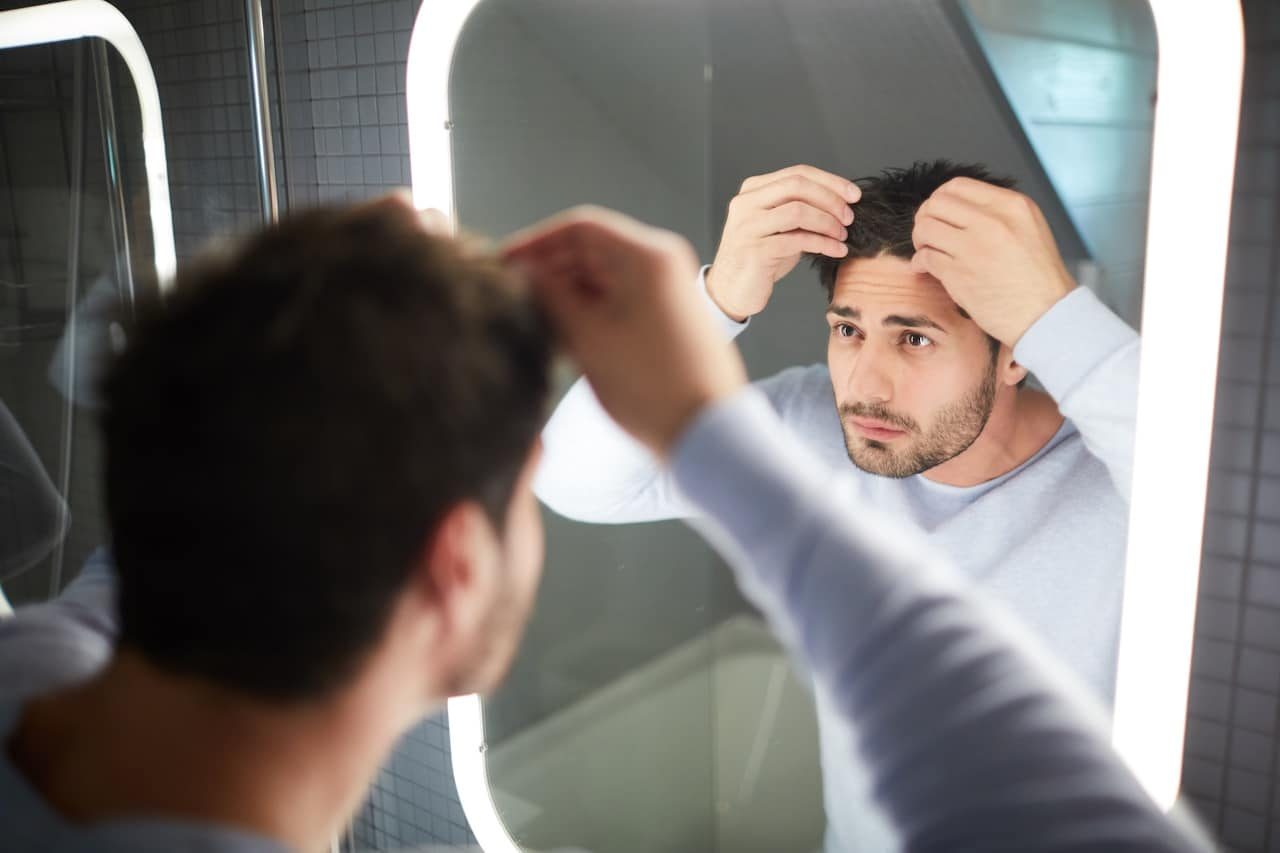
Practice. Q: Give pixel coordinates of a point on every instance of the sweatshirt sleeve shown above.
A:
(44, 646)
(593, 471)
(975, 738)
(1087, 359)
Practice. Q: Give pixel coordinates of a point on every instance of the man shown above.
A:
(944, 288)
(975, 739)
(301, 576)
(318, 468)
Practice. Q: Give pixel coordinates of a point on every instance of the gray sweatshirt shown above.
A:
(975, 739)
(1045, 541)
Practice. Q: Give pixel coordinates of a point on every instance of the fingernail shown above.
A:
(853, 192)
(848, 216)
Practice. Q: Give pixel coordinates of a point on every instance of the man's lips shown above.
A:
(878, 430)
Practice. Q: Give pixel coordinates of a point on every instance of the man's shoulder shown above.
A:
(1077, 474)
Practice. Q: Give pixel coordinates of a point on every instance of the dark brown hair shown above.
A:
(885, 216)
(285, 431)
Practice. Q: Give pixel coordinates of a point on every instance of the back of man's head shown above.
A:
(885, 216)
(283, 433)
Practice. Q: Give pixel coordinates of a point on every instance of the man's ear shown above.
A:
(1008, 371)
(455, 574)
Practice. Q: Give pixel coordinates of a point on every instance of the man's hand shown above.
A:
(992, 250)
(618, 293)
(773, 220)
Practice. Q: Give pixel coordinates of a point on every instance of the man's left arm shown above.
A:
(1087, 359)
(993, 251)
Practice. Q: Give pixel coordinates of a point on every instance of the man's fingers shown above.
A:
(933, 262)
(573, 228)
(801, 242)
(952, 209)
(976, 192)
(799, 216)
(847, 190)
(798, 188)
(435, 221)
(935, 234)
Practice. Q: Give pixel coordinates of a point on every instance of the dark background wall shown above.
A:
(1230, 772)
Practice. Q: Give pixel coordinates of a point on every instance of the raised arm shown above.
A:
(1087, 359)
(593, 471)
(994, 253)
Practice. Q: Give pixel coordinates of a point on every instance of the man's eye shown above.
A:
(844, 330)
(915, 340)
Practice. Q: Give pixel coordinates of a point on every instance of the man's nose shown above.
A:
(868, 379)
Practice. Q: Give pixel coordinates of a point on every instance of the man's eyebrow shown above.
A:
(917, 321)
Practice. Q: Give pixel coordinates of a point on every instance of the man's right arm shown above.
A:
(593, 471)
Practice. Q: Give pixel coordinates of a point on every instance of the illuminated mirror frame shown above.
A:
(76, 19)
(1201, 58)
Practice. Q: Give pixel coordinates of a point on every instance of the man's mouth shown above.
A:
(877, 430)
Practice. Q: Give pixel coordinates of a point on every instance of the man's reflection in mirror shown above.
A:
(943, 290)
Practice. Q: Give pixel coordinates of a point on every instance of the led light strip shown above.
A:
(431, 50)
(1193, 164)
(74, 19)
(1196, 121)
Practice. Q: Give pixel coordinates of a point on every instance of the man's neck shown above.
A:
(137, 741)
(1021, 423)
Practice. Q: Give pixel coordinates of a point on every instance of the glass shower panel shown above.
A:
(77, 247)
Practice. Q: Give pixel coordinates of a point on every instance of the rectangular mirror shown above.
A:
(639, 628)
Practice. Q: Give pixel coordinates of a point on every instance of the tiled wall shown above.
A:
(1232, 763)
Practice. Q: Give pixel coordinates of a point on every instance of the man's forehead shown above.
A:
(888, 284)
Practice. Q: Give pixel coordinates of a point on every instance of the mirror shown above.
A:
(650, 709)
(79, 243)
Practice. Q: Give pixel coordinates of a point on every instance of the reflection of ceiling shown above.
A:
(852, 85)
(861, 84)
(641, 63)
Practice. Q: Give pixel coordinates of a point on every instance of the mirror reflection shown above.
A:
(77, 246)
(743, 132)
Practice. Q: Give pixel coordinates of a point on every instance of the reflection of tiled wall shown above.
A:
(1232, 762)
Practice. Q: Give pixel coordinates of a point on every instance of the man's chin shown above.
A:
(873, 457)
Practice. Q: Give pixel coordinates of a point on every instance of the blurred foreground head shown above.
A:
(320, 443)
